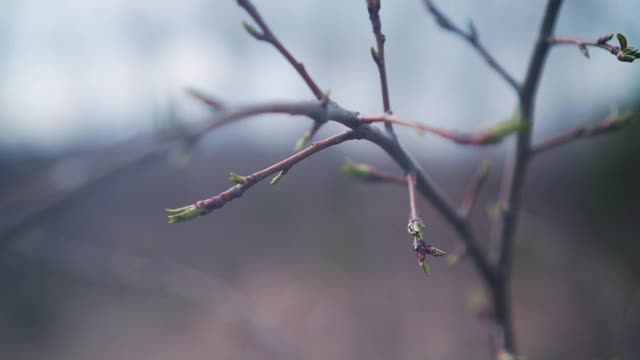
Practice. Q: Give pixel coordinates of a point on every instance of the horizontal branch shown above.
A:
(479, 138)
(623, 52)
(472, 38)
(203, 207)
(609, 125)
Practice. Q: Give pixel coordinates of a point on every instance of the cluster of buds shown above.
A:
(422, 249)
(624, 52)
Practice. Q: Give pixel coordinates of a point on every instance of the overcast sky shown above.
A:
(73, 71)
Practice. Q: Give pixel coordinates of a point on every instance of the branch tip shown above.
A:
(185, 213)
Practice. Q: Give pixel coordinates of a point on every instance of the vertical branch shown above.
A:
(373, 6)
(515, 173)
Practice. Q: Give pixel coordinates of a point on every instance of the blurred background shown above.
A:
(319, 266)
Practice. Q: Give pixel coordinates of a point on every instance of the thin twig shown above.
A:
(411, 186)
(605, 127)
(378, 54)
(472, 38)
(479, 138)
(583, 44)
(477, 182)
(268, 36)
(205, 206)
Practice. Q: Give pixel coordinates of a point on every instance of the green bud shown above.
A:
(472, 30)
(623, 41)
(584, 50)
(189, 212)
(276, 179)
(626, 58)
(252, 31)
(605, 38)
(504, 129)
(356, 170)
(438, 252)
(237, 179)
(374, 55)
(302, 142)
(425, 267)
(416, 228)
(626, 118)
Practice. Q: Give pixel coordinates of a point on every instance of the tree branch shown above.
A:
(472, 38)
(268, 36)
(513, 180)
(607, 126)
(490, 136)
(244, 183)
(378, 55)
(622, 53)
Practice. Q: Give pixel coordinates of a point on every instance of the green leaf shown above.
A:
(425, 267)
(622, 40)
(188, 212)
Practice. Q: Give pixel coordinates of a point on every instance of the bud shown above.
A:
(276, 179)
(584, 50)
(605, 38)
(252, 31)
(416, 228)
(434, 251)
(302, 142)
(626, 118)
(356, 170)
(374, 55)
(473, 33)
(504, 129)
(242, 180)
(188, 212)
(425, 267)
(622, 40)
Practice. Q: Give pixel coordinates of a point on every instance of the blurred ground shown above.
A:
(316, 267)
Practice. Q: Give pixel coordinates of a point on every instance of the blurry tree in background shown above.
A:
(493, 258)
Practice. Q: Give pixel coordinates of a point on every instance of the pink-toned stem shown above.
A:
(411, 186)
(558, 40)
(236, 191)
(605, 127)
(478, 138)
